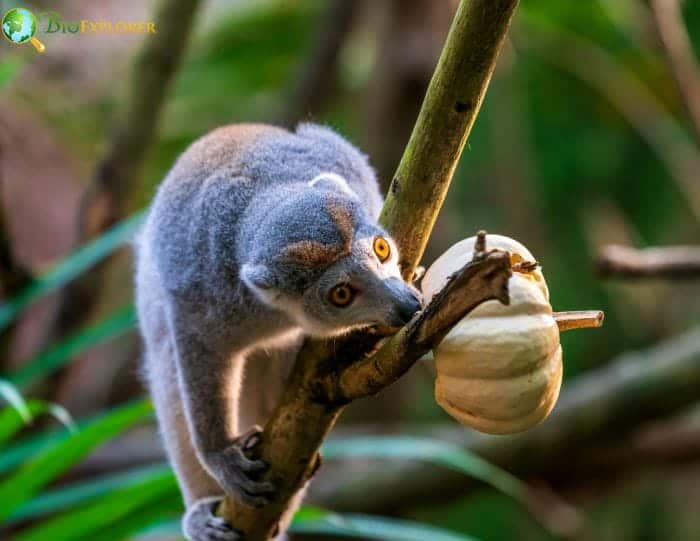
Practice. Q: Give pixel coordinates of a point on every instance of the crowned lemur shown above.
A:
(256, 237)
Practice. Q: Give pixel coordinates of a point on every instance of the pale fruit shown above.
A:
(499, 369)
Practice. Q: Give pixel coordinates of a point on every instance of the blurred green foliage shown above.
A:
(549, 158)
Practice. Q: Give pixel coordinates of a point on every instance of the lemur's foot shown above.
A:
(238, 474)
(201, 524)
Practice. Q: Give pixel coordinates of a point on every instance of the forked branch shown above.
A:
(328, 374)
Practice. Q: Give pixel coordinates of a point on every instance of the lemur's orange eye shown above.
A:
(342, 295)
(382, 249)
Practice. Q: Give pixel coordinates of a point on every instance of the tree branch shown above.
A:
(635, 388)
(307, 411)
(668, 262)
(451, 104)
(668, 18)
(584, 319)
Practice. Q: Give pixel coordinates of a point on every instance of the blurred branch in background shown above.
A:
(609, 402)
(667, 262)
(117, 175)
(319, 75)
(668, 18)
(594, 66)
(13, 275)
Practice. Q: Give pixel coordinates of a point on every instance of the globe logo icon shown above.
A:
(19, 26)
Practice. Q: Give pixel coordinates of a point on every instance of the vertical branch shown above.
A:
(13, 276)
(152, 71)
(668, 18)
(117, 174)
(450, 108)
(317, 391)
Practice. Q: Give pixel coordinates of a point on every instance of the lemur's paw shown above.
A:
(240, 473)
(201, 524)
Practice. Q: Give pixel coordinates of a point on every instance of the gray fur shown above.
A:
(247, 235)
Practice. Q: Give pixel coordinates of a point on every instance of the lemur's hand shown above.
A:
(237, 473)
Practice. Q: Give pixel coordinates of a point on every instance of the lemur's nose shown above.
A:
(409, 307)
(406, 300)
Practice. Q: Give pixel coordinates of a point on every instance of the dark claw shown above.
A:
(254, 488)
(238, 473)
(238, 457)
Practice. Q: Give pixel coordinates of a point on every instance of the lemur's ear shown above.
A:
(257, 277)
(332, 181)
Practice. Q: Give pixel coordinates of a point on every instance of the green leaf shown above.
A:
(50, 360)
(13, 397)
(20, 451)
(429, 450)
(71, 495)
(55, 460)
(312, 520)
(95, 520)
(74, 265)
(165, 507)
(12, 422)
(9, 67)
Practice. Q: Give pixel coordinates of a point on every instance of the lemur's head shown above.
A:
(329, 266)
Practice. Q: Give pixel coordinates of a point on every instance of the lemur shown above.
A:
(257, 237)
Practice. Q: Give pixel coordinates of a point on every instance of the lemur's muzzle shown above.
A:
(406, 301)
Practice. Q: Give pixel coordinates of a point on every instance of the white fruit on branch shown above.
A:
(499, 370)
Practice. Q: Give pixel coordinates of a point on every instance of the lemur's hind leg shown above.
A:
(199, 489)
(264, 378)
